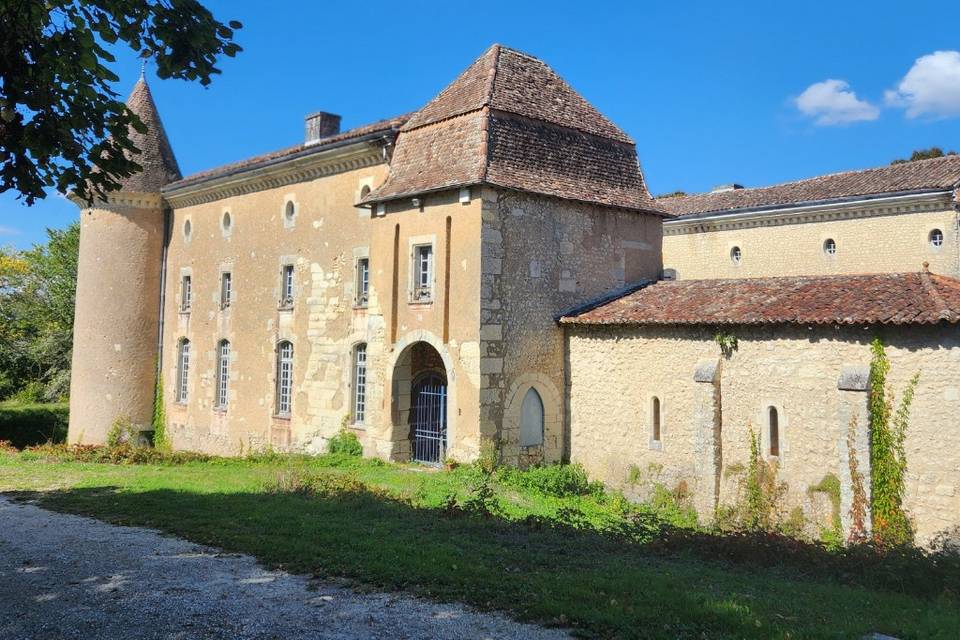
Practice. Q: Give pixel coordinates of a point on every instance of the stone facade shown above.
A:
(709, 402)
(869, 238)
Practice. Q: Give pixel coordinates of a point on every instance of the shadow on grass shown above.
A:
(677, 586)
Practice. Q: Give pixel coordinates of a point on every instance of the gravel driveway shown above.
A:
(64, 576)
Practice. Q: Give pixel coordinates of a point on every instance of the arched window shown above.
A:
(289, 211)
(359, 383)
(223, 374)
(829, 247)
(531, 419)
(183, 369)
(936, 238)
(773, 420)
(736, 256)
(284, 378)
(655, 419)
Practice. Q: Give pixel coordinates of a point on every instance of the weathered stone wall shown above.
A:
(878, 244)
(323, 240)
(541, 257)
(117, 304)
(614, 372)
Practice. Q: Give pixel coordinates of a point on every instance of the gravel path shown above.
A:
(64, 576)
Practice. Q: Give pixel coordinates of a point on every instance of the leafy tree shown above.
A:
(37, 293)
(61, 125)
(925, 154)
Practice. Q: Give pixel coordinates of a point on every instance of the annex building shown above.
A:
(491, 271)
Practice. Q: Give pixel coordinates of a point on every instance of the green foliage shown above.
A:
(925, 154)
(26, 425)
(727, 341)
(830, 487)
(345, 443)
(489, 458)
(858, 506)
(61, 124)
(122, 432)
(674, 506)
(161, 439)
(36, 317)
(888, 461)
(759, 494)
(559, 480)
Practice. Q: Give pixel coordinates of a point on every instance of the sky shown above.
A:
(712, 92)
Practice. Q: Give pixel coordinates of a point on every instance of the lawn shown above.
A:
(500, 542)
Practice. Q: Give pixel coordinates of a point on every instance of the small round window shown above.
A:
(736, 255)
(936, 238)
(187, 229)
(289, 211)
(830, 247)
(227, 221)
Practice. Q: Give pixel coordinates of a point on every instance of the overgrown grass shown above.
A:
(24, 425)
(541, 545)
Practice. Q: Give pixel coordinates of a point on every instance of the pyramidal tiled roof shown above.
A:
(156, 156)
(509, 120)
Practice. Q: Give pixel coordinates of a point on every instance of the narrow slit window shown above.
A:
(223, 374)
(286, 286)
(774, 420)
(186, 293)
(363, 282)
(183, 370)
(423, 272)
(284, 378)
(360, 384)
(226, 289)
(655, 418)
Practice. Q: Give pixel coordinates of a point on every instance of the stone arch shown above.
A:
(552, 448)
(415, 354)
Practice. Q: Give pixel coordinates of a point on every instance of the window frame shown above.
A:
(226, 289)
(423, 273)
(183, 371)
(362, 282)
(830, 248)
(186, 293)
(774, 445)
(542, 418)
(936, 232)
(287, 286)
(222, 400)
(656, 422)
(283, 384)
(736, 255)
(359, 396)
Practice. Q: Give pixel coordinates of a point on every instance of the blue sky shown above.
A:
(755, 93)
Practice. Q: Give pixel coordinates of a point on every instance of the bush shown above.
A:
(124, 453)
(33, 424)
(345, 443)
(560, 480)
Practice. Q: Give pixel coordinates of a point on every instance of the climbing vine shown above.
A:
(888, 461)
(161, 440)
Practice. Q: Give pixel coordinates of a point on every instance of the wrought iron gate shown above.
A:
(429, 419)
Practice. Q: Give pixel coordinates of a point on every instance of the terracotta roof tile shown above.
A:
(156, 156)
(388, 125)
(895, 298)
(511, 121)
(935, 174)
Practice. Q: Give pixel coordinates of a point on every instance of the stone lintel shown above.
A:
(854, 378)
(706, 371)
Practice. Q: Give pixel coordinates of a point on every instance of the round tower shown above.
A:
(117, 317)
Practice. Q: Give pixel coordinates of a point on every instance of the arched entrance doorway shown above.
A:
(420, 406)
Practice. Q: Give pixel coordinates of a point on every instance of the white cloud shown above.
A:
(931, 87)
(8, 231)
(832, 102)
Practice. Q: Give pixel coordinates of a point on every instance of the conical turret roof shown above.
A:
(156, 156)
(509, 120)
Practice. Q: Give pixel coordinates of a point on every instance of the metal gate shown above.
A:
(429, 419)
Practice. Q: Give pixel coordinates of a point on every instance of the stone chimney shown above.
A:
(322, 125)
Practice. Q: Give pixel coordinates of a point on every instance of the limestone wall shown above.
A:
(876, 244)
(541, 257)
(323, 239)
(614, 372)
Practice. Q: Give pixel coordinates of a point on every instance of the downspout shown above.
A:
(956, 232)
(163, 287)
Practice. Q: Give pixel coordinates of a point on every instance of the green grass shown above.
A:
(398, 527)
(24, 425)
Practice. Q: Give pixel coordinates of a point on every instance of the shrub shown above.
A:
(29, 425)
(303, 481)
(345, 443)
(674, 507)
(123, 453)
(560, 480)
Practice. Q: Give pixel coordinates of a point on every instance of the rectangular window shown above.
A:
(284, 378)
(286, 287)
(422, 272)
(360, 384)
(223, 374)
(186, 293)
(363, 282)
(226, 289)
(183, 370)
